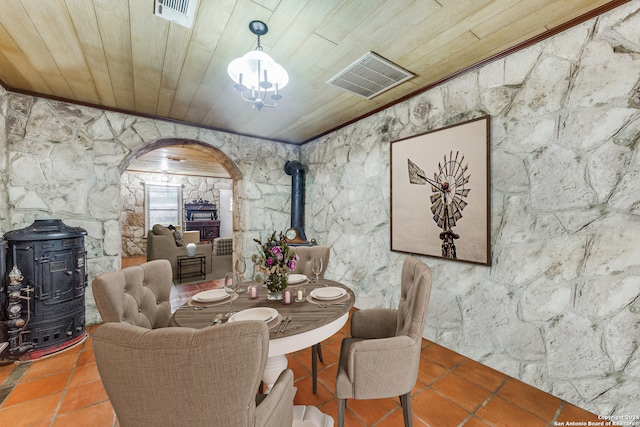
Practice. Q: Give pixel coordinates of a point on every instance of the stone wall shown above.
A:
(4, 163)
(559, 308)
(65, 161)
(132, 197)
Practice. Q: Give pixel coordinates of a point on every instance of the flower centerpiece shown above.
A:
(275, 260)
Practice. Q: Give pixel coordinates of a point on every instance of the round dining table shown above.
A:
(311, 321)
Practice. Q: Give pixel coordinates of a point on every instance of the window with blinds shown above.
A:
(163, 204)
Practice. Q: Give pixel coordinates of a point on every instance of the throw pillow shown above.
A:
(161, 230)
(177, 234)
(158, 229)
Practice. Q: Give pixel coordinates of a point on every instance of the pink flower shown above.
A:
(275, 256)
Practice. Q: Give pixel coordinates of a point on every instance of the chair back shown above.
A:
(307, 254)
(415, 291)
(138, 295)
(183, 376)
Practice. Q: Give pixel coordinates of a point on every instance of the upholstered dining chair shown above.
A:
(307, 254)
(191, 377)
(305, 266)
(382, 357)
(139, 295)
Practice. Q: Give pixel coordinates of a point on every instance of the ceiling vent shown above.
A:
(370, 75)
(179, 11)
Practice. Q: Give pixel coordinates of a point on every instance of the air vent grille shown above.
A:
(178, 11)
(370, 75)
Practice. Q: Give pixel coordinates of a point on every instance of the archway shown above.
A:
(225, 161)
(216, 155)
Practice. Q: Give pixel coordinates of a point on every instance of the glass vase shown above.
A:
(275, 295)
(276, 283)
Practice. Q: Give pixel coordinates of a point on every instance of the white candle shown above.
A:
(300, 295)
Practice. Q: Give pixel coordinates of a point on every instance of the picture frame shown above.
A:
(440, 193)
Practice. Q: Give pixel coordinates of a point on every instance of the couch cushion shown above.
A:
(191, 237)
(161, 230)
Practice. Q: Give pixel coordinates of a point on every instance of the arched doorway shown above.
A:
(132, 226)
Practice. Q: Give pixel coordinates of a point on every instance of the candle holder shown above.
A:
(300, 294)
(287, 297)
(252, 290)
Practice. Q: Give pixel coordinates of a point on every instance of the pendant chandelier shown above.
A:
(257, 76)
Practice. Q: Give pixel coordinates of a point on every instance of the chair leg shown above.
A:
(405, 401)
(316, 353)
(342, 404)
(314, 367)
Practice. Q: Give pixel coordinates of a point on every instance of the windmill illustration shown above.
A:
(449, 188)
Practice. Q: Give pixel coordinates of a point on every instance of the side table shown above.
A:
(198, 260)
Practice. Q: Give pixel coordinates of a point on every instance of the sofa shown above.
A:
(164, 243)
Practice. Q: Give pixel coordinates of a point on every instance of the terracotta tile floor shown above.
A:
(64, 389)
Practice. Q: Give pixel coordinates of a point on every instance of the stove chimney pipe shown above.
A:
(296, 170)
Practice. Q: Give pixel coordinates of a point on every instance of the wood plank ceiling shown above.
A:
(116, 54)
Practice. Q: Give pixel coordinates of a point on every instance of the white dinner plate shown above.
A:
(328, 293)
(294, 279)
(266, 314)
(211, 295)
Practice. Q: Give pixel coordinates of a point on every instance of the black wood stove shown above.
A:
(42, 300)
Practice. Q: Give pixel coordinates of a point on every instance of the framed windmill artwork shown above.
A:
(440, 193)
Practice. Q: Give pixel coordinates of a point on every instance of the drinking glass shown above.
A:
(230, 285)
(240, 268)
(316, 268)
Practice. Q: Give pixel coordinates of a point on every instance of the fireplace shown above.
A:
(42, 299)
